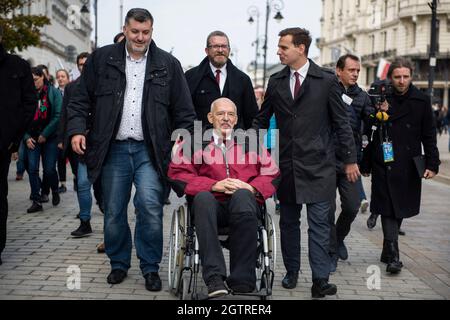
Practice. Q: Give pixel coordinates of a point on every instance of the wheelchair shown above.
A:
(184, 260)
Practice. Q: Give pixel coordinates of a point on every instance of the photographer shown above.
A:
(393, 156)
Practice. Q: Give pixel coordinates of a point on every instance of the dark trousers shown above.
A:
(390, 226)
(318, 237)
(240, 214)
(73, 159)
(350, 203)
(5, 159)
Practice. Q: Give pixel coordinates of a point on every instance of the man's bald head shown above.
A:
(223, 115)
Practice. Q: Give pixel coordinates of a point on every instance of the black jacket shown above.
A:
(18, 99)
(166, 104)
(359, 112)
(307, 152)
(396, 186)
(238, 88)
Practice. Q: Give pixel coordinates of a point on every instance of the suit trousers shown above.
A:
(240, 214)
(318, 237)
(350, 203)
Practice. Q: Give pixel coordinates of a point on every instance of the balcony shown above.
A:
(412, 8)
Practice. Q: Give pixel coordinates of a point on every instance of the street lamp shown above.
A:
(253, 11)
(84, 9)
(275, 5)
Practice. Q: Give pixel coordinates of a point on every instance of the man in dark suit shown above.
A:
(17, 109)
(307, 104)
(216, 77)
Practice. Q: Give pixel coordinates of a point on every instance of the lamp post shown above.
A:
(432, 56)
(85, 9)
(253, 11)
(275, 5)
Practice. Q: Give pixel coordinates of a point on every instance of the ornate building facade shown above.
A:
(384, 29)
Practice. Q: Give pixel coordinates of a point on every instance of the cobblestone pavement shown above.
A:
(40, 250)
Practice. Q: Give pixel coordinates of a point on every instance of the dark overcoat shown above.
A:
(396, 186)
(18, 99)
(306, 146)
(238, 88)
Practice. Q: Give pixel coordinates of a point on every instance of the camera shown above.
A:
(379, 90)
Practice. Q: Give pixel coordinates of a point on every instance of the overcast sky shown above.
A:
(183, 25)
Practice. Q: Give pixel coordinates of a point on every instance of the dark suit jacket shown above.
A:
(238, 88)
(307, 152)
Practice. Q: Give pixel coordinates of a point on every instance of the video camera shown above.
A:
(379, 90)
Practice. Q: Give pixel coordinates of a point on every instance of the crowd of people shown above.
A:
(115, 124)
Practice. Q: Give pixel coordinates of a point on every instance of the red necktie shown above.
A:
(297, 84)
(218, 77)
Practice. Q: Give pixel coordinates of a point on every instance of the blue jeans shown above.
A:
(84, 192)
(128, 162)
(21, 164)
(362, 194)
(49, 153)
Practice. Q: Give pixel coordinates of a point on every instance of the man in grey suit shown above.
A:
(307, 104)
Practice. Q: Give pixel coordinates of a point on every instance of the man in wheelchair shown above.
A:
(228, 183)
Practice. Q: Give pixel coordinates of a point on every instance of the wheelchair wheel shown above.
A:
(177, 245)
(272, 237)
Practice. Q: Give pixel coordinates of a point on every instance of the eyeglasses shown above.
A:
(219, 46)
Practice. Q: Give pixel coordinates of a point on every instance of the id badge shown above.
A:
(388, 152)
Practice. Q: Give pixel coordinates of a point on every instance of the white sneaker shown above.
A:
(364, 206)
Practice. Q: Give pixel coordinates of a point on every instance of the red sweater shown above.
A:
(210, 165)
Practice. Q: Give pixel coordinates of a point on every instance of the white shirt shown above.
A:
(303, 71)
(223, 75)
(131, 122)
(216, 138)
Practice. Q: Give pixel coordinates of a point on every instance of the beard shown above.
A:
(135, 49)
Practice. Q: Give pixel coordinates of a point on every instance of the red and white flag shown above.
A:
(383, 67)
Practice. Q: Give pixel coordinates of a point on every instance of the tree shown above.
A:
(20, 31)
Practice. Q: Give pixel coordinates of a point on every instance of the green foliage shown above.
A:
(20, 31)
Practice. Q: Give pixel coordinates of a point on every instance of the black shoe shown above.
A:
(322, 288)
(290, 280)
(401, 232)
(372, 221)
(241, 287)
(44, 198)
(55, 198)
(77, 216)
(83, 230)
(342, 250)
(62, 189)
(394, 265)
(116, 276)
(35, 207)
(152, 281)
(216, 287)
(167, 201)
